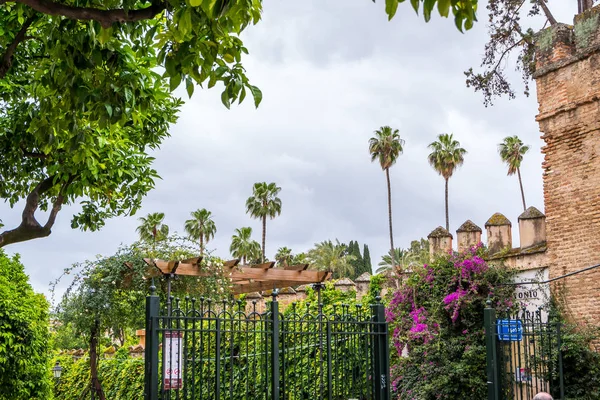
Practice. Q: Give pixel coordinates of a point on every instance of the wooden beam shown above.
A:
(261, 266)
(297, 267)
(193, 260)
(244, 273)
(267, 285)
(231, 263)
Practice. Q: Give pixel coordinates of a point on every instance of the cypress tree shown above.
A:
(357, 263)
(367, 260)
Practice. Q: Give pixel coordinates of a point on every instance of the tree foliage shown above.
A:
(152, 229)
(201, 227)
(108, 294)
(264, 204)
(511, 152)
(244, 247)
(333, 257)
(445, 157)
(24, 334)
(509, 33)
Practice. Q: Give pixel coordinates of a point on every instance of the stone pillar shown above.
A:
(344, 284)
(362, 285)
(468, 235)
(141, 334)
(568, 93)
(499, 233)
(532, 228)
(440, 241)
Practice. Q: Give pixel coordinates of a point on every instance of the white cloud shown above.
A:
(331, 73)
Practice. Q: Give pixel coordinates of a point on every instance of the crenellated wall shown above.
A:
(568, 94)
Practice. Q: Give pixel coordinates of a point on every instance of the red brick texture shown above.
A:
(568, 91)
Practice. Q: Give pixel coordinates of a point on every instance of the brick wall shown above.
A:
(568, 91)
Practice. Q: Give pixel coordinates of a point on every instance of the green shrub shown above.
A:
(24, 371)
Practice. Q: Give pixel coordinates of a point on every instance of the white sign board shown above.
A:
(173, 365)
(536, 295)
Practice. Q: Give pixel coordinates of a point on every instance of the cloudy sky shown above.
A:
(331, 71)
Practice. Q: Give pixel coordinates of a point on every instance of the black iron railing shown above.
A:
(217, 350)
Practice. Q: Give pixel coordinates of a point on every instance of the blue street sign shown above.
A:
(510, 330)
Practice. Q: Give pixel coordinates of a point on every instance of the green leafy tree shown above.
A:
(243, 246)
(419, 250)
(405, 261)
(284, 256)
(332, 257)
(152, 229)
(24, 334)
(512, 151)
(510, 33)
(358, 264)
(385, 147)
(107, 294)
(81, 102)
(446, 155)
(367, 259)
(201, 227)
(262, 204)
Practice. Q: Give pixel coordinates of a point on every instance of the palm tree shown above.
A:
(405, 260)
(512, 151)
(242, 245)
(332, 257)
(385, 147)
(201, 227)
(262, 204)
(152, 229)
(284, 256)
(445, 157)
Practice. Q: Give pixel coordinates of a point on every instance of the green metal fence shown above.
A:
(201, 349)
(523, 355)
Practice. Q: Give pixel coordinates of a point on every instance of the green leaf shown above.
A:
(189, 85)
(228, 58)
(443, 7)
(225, 99)
(195, 3)
(391, 6)
(427, 8)
(109, 110)
(174, 82)
(257, 94)
(185, 22)
(415, 5)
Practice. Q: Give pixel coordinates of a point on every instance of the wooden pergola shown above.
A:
(244, 278)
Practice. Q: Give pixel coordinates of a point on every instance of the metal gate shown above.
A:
(203, 349)
(523, 355)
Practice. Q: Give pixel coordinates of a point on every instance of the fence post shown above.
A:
(381, 350)
(275, 346)
(151, 350)
(489, 319)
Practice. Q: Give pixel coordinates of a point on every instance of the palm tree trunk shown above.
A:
(389, 188)
(447, 218)
(201, 244)
(264, 221)
(521, 185)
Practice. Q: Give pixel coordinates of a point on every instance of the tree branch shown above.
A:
(6, 61)
(105, 17)
(547, 12)
(30, 228)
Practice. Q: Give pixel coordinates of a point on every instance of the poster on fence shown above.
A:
(173, 365)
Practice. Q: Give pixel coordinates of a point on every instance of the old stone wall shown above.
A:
(568, 91)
